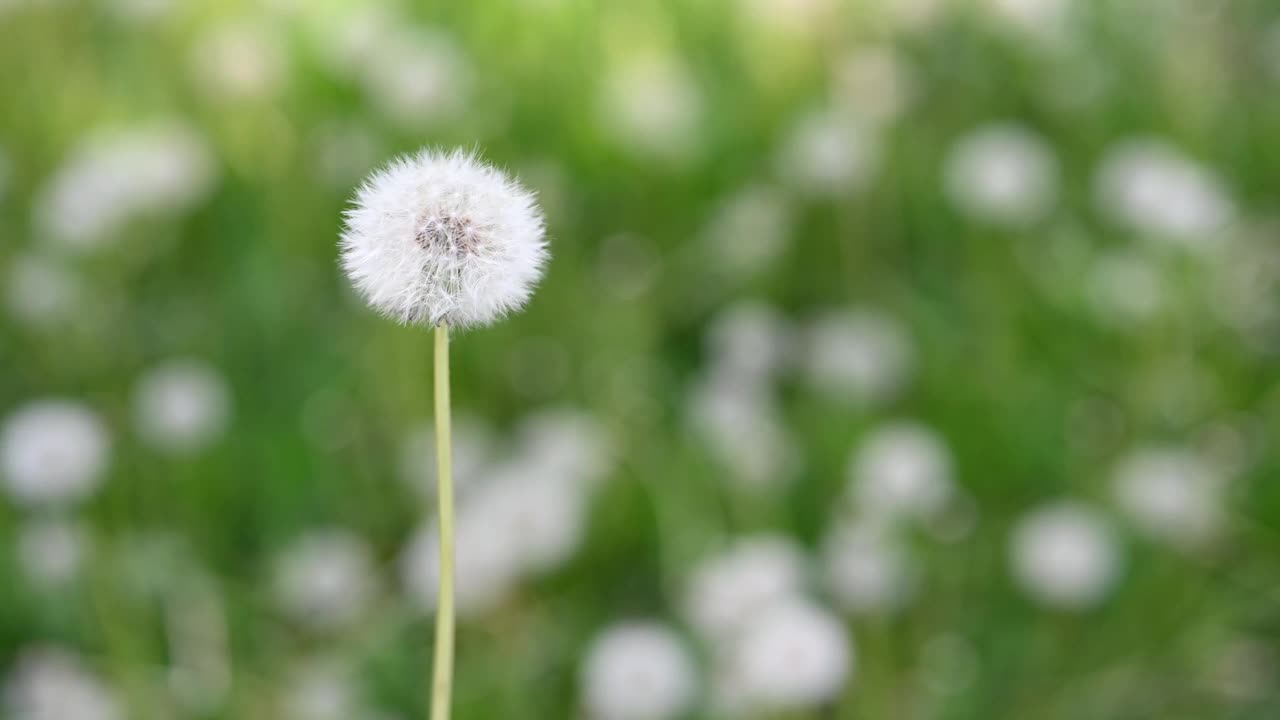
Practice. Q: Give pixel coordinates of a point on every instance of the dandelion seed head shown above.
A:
(325, 580)
(442, 237)
(49, 683)
(638, 671)
(794, 655)
(52, 452)
(727, 590)
(1004, 174)
(181, 406)
(1170, 494)
(1064, 556)
(902, 469)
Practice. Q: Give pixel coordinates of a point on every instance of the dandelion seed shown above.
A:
(638, 671)
(53, 452)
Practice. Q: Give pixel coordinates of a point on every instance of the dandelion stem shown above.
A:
(442, 686)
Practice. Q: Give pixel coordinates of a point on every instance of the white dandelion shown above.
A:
(829, 154)
(866, 572)
(53, 452)
(1124, 287)
(901, 469)
(1064, 555)
(1151, 187)
(1004, 174)
(325, 579)
(417, 78)
(638, 671)
(441, 237)
(651, 105)
(861, 356)
(50, 551)
(565, 443)
(743, 430)
(749, 230)
(181, 406)
(159, 169)
(726, 591)
(49, 683)
(473, 450)
(795, 655)
(749, 342)
(239, 60)
(40, 292)
(1171, 495)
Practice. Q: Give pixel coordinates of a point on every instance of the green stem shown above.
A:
(443, 680)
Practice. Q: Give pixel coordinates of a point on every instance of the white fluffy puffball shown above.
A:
(441, 237)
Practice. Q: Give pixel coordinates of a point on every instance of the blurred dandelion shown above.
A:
(861, 356)
(325, 579)
(865, 570)
(793, 656)
(158, 169)
(1149, 186)
(1064, 555)
(443, 239)
(181, 406)
(49, 683)
(748, 231)
(638, 671)
(1172, 495)
(901, 469)
(1004, 174)
(727, 590)
(829, 154)
(53, 452)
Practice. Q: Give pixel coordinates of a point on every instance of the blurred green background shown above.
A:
(949, 328)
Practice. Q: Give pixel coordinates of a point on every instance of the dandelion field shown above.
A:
(910, 359)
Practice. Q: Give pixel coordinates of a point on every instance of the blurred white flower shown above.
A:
(565, 443)
(417, 78)
(40, 292)
(638, 671)
(901, 469)
(239, 60)
(325, 579)
(828, 154)
(748, 342)
(749, 230)
(861, 356)
(1064, 555)
(874, 83)
(114, 177)
(53, 452)
(1004, 174)
(743, 430)
(1171, 494)
(726, 591)
(788, 15)
(488, 564)
(50, 551)
(320, 690)
(794, 655)
(541, 516)
(866, 572)
(653, 107)
(473, 449)
(1151, 187)
(181, 406)
(1043, 17)
(443, 237)
(1124, 287)
(53, 684)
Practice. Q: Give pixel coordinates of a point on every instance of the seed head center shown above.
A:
(454, 234)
